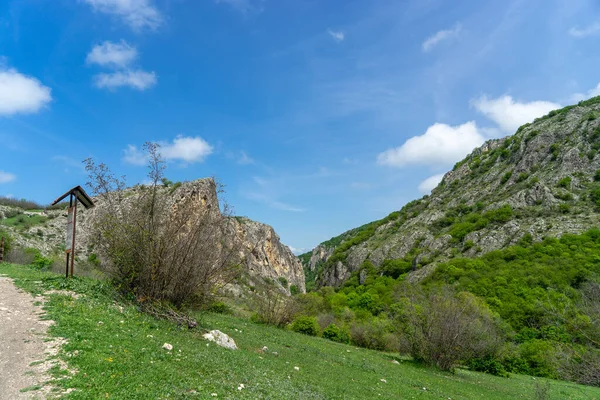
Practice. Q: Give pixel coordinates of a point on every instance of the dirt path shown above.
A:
(23, 349)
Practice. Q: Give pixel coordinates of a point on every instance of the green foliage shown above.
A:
(220, 307)
(564, 208)
(7, 241)
(522, 176)
(294, 290)
(306, 325)
(597, 176)
(521, 283)
(283, 281)
(554, 150)
(506, 177)
(531, 135)
(564, 182)
(500, 215)
(334, 333)
(489, 365)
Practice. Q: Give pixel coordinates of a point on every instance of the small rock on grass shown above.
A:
(167, 346)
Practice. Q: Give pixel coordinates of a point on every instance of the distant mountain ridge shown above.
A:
(542, 181)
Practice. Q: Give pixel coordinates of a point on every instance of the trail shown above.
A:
(24, 346)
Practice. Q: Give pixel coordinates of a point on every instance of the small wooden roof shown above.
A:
(80, 195)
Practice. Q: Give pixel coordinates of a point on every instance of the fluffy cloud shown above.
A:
(113, 55)
(138, 79)
(430, 183)
(435, 39)
(6, 177)
(138, 14)
(590, 30)
(577, 97)
(440, 145)
(338, 36)
(509, 114)
(21, 94)
(187, 149)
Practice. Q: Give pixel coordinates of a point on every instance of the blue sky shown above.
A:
(318, 116)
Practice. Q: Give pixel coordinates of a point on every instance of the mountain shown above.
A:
(543, 181)
(267, 259)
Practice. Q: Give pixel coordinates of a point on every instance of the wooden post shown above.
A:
(2, 250)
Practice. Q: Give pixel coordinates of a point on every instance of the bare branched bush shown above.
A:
(580, 362)
(444, 328)
(158, 246)
(274, 307)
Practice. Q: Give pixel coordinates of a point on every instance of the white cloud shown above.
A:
(188, 149)
(440, 145)
(138, 79)
(138, 14)
(338, 36)
(113, 55)
(132, 155)
(590, 30)
(298, 251)
(430, 183)
(21, 94)
(509, 114)
(6, 177)
(435, 39)
(577, 97)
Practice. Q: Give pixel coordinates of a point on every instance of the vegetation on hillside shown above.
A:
(541, 294)
(106, 341)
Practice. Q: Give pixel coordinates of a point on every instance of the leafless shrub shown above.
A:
(157, 246)
(324, 320)
(273, 307)
(19, 255)
(580, 362)
(444, 328)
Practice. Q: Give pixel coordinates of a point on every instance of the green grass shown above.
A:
(24, 221)
(122, 358)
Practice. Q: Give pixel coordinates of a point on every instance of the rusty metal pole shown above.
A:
(74, 230)
(68, 252)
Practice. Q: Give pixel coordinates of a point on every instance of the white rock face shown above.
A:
(220, 339)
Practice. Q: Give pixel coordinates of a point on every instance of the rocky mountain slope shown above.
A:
(267, 259)
(542, 181)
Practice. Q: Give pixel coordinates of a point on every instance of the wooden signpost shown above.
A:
(76, 195)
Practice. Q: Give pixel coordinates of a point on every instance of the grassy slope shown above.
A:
(122, 358)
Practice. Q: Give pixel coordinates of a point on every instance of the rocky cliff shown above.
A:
(541, 181)
(265, 257)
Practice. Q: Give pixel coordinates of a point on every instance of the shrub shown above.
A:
(505, 177)
(597, 176)
(500, 215)
(564, 182)
(273, 307)
(158, 248)
(522, 176)
(489, 365)
(334, 333)
(220, 308)
(294, 290)
(283, 281)
(554, 151)
(443, 328)
(306, 325)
